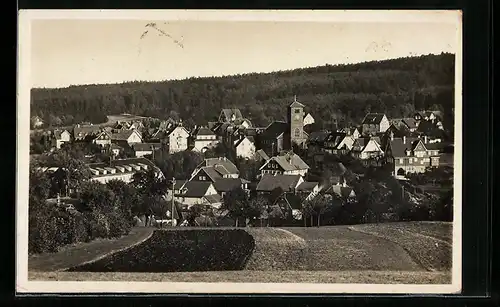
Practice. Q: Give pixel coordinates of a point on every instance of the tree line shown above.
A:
(332, 93)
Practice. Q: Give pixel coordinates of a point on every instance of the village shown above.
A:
(290, 156)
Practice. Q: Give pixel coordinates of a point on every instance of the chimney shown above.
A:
(404, 139)
(425, 139)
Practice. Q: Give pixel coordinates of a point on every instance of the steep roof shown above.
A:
(204, 131)
(122, 135)
(195, 189)
(83, 131)
(221, 165)
(250, 138)
(228, 114)
(289, 161)
(213, 199)
(319, 136)
(228, 184)
(269, 182)
(274, 130)
(373, 118)
(58, 133)
(339, 190)
(263, 154)
(307, 186)
(296, 104)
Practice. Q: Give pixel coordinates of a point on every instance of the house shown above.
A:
(195, 193)
(85, 132)
(432, 116)
(121, 169)
(177, 139)
(290, 205)
(271, 140)
(412, 155)
(130, 136)
(331, 142)
(143, 149)
(409, 124)
(230, 115)
(309, 188)
(268, 183)
(245, 147)
(36, 122)
(214, 168)
(367, 148)
(203, 139)
(352, 132)
(61, 137)
(342, 191)
(308, 119)
(374, 123)
(102, 139)
(224, 185)
(286, 163)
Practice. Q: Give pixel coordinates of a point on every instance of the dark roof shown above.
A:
(434, 146)
(269, 182)
(222, 165)
(195, 189)
(293, 201)
(146, 146)
(122, 135)
(399, 148)
(373, 118)
(213, 199)
(296, 104)
(263, 154)
(319, 136)
(82, 131)
(178, 184)
(307, 186)
(289, 161)
(250, 138)
(274, 130)
(339, 190)
(228, 184)
(204, 131)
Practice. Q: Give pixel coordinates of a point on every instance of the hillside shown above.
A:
(342, 92)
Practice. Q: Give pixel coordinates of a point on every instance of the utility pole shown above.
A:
(173, 202)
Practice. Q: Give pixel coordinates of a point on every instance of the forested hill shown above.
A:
(346, 92)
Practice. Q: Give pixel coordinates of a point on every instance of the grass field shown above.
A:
(383, 253)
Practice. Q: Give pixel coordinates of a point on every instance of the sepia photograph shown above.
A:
(191, 151)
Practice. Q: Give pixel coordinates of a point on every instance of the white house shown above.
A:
(102, 139)
(61, 137)
(374, 123)
(177, 139)
(144, 149)
(308, 119)
(195, 193)
(245, 147)
(130, 136)
(204, 139)
(366, 148)
(121, 169)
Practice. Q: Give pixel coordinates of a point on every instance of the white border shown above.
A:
(23, 285)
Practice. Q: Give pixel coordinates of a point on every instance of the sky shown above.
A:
(92, 51)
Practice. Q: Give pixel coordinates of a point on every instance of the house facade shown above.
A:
(412, 156)
(287, 163)
(375, 123)
(245, 148)
(121, 169)
(308, 119)
(204, 139)
(61, 137)
(178, 139)
(102, 139)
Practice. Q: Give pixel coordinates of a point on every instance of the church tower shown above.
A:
(296, 123)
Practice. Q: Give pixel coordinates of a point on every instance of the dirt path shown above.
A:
(85, 252)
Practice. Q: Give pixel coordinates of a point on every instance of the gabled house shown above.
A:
(367, 148)
(308, 119)
(130, 136)
(271, 140)
(286, 163)
(202, 139)
(214, 168)
(411, 155)
(61, 137)
(230, 115)
(345, 193)
(175, 138)
(375, 123)
(285, 182)
(352, 132)
(103, 138)
(225, 185)
(85, 132)
(262, 155)
(331, 142)
(195, 193)
(245, 147)
(407, 123)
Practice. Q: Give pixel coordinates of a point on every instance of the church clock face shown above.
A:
(297, 116)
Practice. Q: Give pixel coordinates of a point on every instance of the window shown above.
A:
(297, 132)
(296, 110)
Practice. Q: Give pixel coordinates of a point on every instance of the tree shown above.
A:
(193, 213)
(150, 186)
(255, 207)
(236, 203)
(39, 184)
(127, 197)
